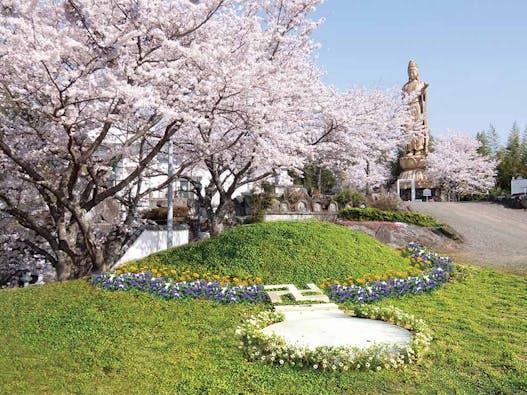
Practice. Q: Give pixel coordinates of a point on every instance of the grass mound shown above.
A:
(283, 252)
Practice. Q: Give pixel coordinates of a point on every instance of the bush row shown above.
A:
(374, 214)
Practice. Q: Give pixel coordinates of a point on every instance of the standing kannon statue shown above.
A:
(413, 161)
(416, 90)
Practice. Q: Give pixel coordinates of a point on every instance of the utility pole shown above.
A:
(170, 195)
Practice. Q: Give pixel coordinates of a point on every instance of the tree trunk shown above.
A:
(64, 267)
(319, 181)
(217, 217)
(215, 225)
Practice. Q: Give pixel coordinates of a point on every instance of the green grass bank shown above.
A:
(283, 252)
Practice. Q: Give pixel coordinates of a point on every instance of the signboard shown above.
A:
(427, 192)
(518, 185)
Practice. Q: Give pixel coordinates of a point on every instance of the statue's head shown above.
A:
(413, 71)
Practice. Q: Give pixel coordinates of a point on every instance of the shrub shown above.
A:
(475, 197)
(386, 202)
(355, 198)
(159, 214)
(259, 203)
(374, 214)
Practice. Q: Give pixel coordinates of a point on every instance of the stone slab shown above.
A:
(326, 326)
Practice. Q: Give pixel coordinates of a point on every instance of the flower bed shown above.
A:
(167, 288)
(429, 272)
(187, 275)
(274, 349)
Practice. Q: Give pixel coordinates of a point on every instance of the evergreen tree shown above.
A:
(523, 150)
(316, 179)
(510, 159)
(484, 148)
(493, 140)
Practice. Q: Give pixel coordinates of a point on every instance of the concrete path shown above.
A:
(318, 325)
(494, 235)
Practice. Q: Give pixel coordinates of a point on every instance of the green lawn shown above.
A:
(74, 338)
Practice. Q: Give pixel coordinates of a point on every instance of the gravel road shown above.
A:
(494, 235)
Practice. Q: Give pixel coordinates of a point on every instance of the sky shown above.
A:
(473, 53)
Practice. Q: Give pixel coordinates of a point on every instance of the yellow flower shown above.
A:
(196, 275)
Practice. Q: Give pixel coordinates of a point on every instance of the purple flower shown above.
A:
(165, 288)
(437, 272)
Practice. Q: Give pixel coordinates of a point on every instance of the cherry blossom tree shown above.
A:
(85, 85)
(360, 133)
(456, 166)
(255, 102)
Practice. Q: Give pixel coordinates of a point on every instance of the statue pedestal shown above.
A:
(414, 168)
(419, 176)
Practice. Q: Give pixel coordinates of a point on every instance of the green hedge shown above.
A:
(283, 252)
(374, 214)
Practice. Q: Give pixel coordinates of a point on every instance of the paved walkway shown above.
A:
(494, 235)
